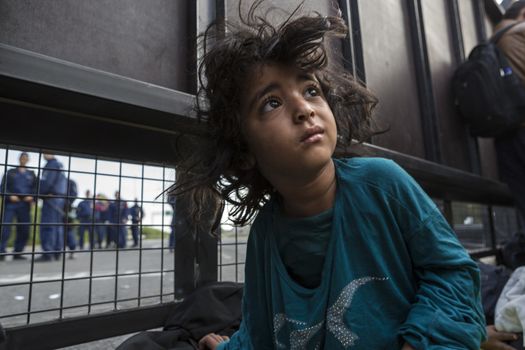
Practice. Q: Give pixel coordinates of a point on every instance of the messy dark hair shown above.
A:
(514, 10)
(230, 53)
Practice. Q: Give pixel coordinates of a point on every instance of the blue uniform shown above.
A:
(118, 216)
(53, 188)
(101, 213)
(21, 184)
(394, 272)
(136, 214)
(85, 216)
(69, 216)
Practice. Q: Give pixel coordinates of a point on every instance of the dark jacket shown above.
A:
(213, 308)
(53, 181)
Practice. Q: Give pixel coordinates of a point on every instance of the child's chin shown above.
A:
(319, 160)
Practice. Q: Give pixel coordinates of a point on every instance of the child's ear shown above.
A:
(247, 161)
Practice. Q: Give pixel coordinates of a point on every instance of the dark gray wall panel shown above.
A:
(325, 7)
(280, 10)
(390, 73)
(142, 39)
(468, 25)
(489, 27)
(442, 64)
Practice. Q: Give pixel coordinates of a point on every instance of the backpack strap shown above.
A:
(497, 36)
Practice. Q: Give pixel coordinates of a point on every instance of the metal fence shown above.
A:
(103, 263)
(95, 271)
(480, 227)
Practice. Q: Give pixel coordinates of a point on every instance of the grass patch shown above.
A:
(153, 233)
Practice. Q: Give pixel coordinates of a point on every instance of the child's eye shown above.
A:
(270, 104)
(312, 91)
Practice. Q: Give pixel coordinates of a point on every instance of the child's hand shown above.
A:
(210, 341)
(495, 339)
(407, 346)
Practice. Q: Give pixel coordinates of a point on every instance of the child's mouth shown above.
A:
(313, 134)
(313, 138)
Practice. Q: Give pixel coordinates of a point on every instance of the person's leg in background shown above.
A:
(71, 239)
(135, 233)
(47, 239)
(101, 231)
(9, 215)
(85, 225)
(81, 235)
(22, 230)
(122, 236)
(58, 229)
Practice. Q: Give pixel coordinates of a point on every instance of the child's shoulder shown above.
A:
(378, 174)
(370, 169)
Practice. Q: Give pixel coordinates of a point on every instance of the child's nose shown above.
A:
(303, 112)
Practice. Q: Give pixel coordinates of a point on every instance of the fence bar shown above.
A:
(57, 334)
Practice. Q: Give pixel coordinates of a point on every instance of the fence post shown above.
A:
(195, 245)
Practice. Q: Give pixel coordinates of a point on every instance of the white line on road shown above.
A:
(42, 278)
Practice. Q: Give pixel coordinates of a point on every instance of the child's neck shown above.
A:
(312, 196)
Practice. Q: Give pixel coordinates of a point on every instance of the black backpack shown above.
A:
(489, 96)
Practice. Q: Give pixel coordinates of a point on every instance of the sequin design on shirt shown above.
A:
(303, 333)
(335, 315)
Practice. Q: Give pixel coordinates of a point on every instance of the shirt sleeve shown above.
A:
(3, 183)
(447, 311)
(7, 182)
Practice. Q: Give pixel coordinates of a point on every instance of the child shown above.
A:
(343, 253)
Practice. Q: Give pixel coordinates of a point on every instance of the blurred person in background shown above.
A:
(69, 218)
(118, 217)
(136, 213)
(18, 188)
(101, 216)
(85, 211)
(53, 189)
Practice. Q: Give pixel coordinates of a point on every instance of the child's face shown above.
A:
(287, 123)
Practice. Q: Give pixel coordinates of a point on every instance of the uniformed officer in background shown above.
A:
(85, 211)
(19, 185)
(136, 214)
(53, 189)
(69, 218)
(118, 217)
(101, 216)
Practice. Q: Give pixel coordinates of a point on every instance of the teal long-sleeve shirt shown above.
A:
(394, 272)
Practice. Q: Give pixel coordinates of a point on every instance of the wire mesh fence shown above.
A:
(72, 244)
(82, 235)
(106, 239)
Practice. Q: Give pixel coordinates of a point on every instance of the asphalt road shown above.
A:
(66, 284)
